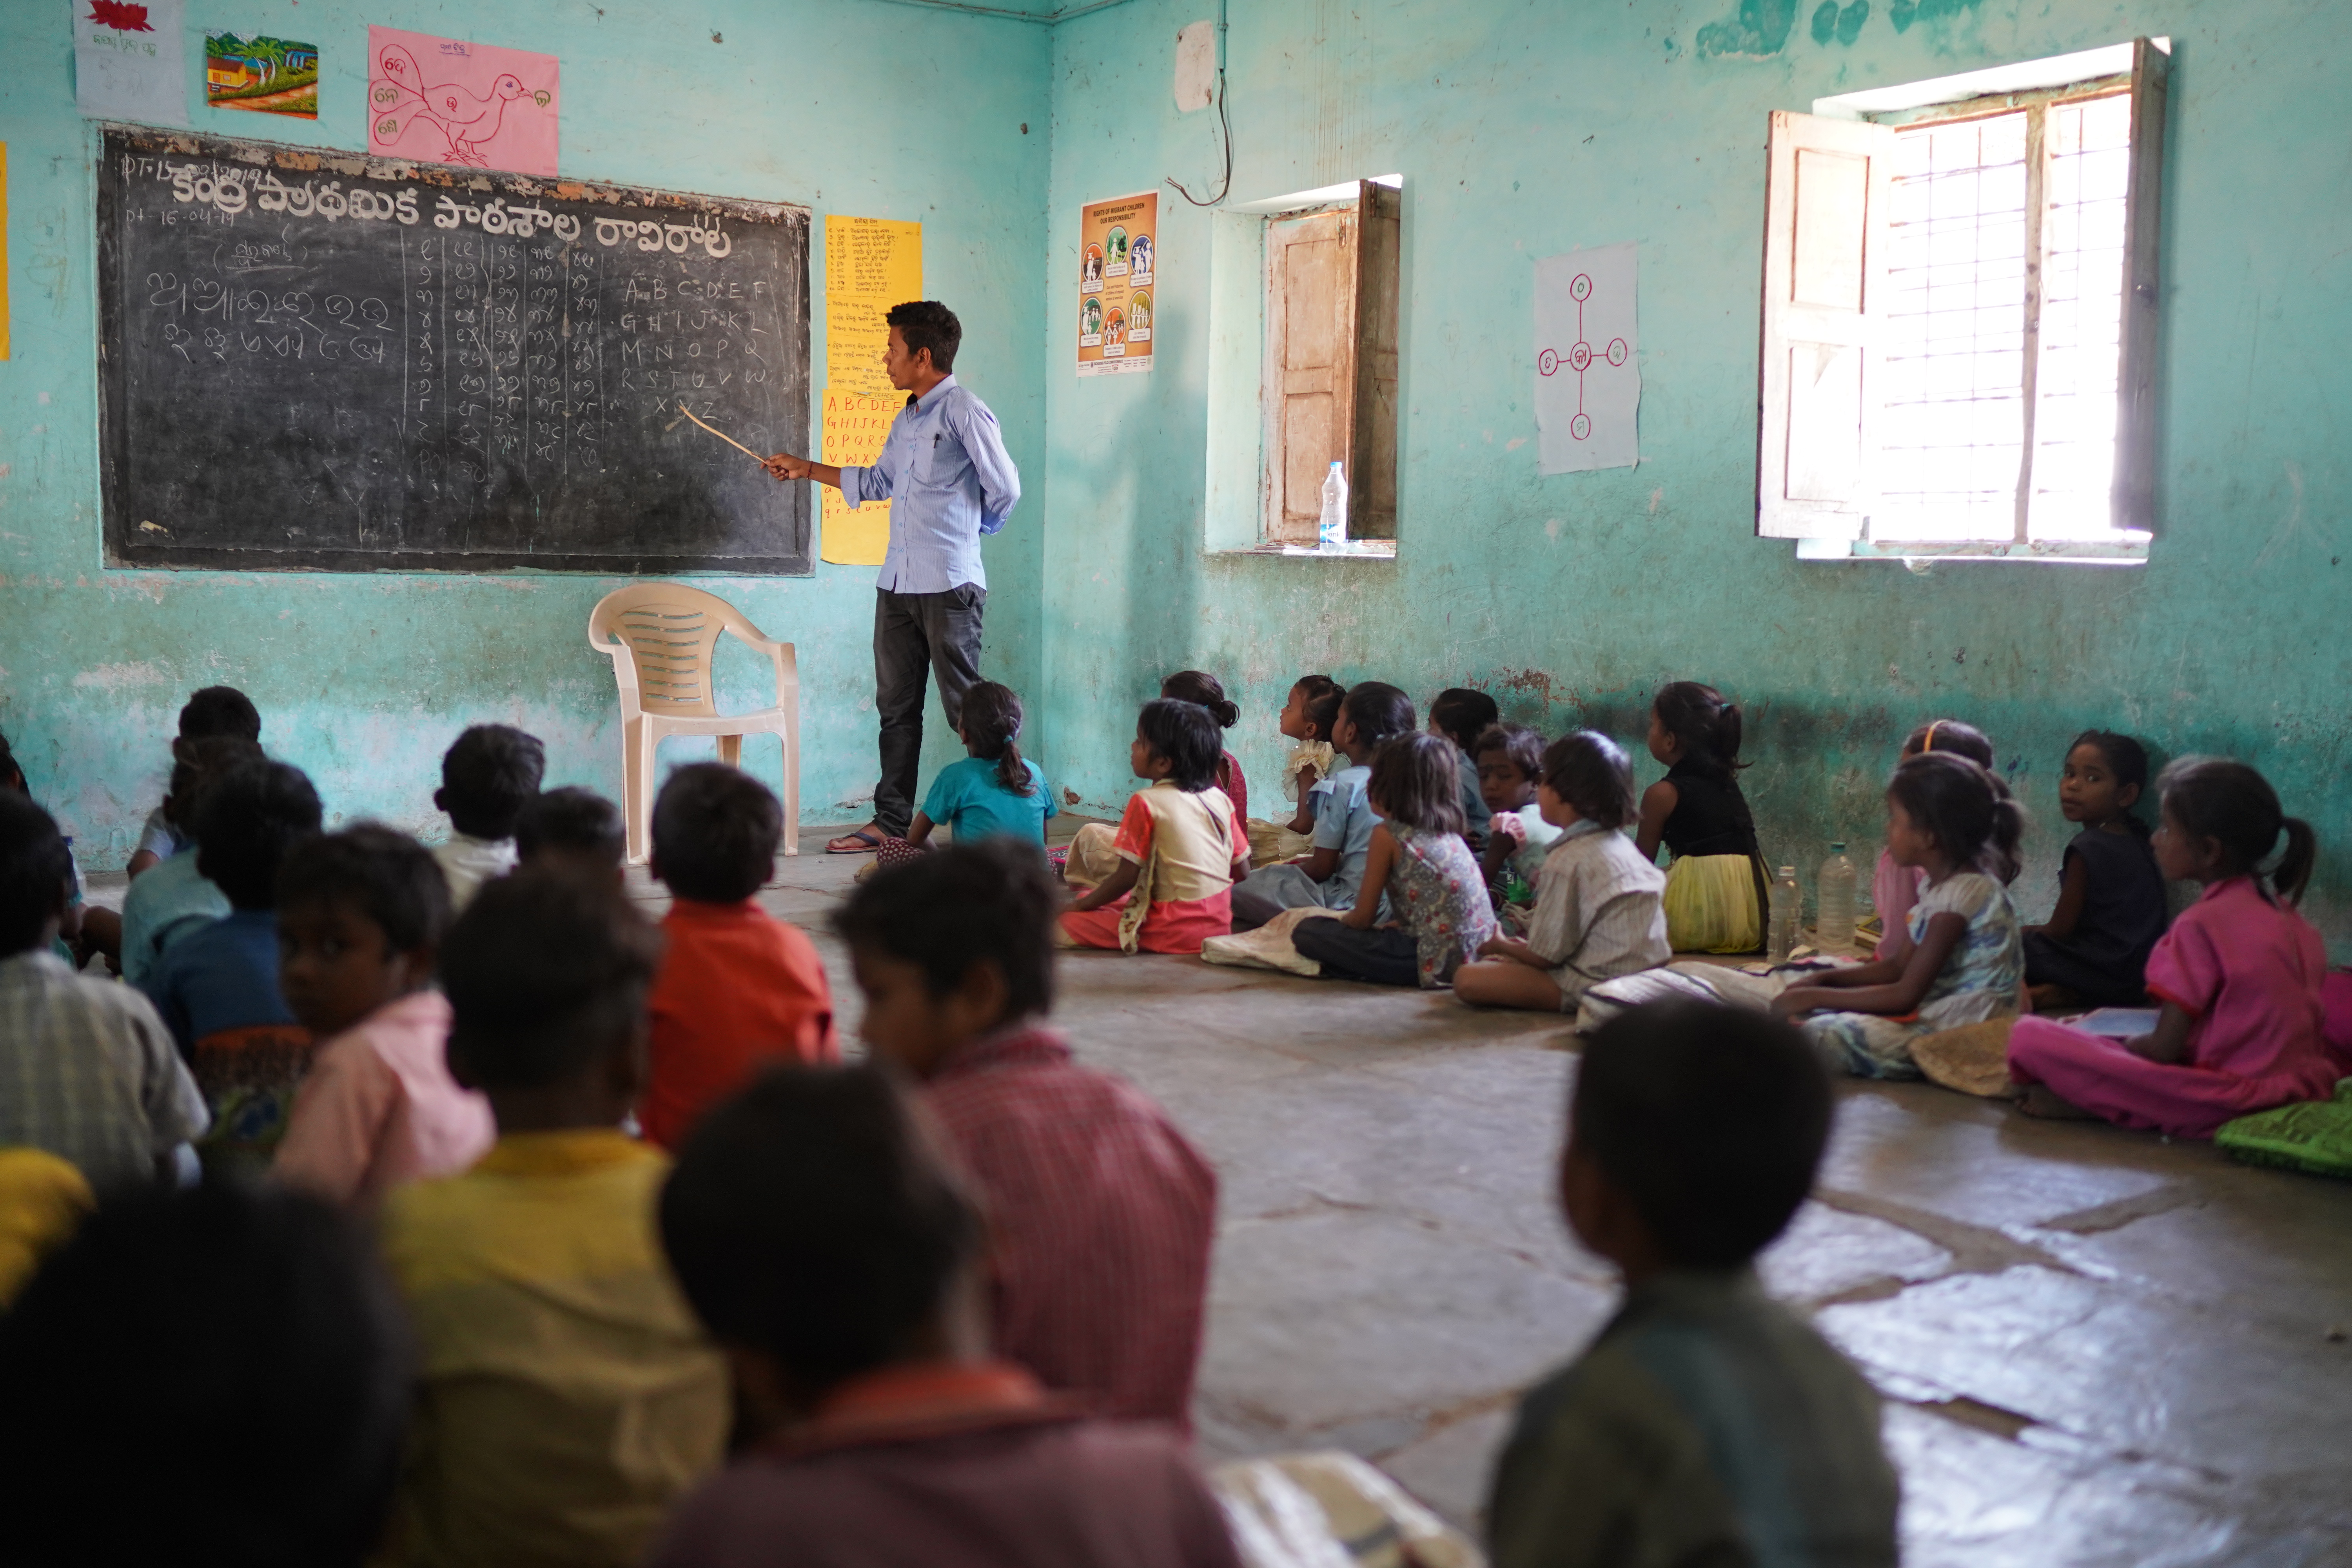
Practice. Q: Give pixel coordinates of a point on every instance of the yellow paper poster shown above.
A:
(870, 265)
(1118, 250)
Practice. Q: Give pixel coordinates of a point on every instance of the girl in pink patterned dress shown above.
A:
(2239, 976)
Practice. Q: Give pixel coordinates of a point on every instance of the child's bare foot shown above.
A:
(2038, 1100)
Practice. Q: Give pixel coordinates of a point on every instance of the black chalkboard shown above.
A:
(318, 361)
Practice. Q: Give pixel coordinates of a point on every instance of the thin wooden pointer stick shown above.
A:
(730, 440)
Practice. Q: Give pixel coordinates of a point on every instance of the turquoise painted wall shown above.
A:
(364, 680)
(1527, 127)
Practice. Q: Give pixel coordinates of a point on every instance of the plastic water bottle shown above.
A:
(1788, 915)
(1833, 923)
(1333, 530)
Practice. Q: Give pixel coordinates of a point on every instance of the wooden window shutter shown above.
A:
(1825, 208)
(1310, 380)
(2135, 491)
(1371, 477)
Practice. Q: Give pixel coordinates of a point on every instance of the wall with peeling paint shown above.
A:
(849, 106)
(1523, 130)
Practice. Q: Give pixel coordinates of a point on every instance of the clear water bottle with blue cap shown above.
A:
(1333, 529)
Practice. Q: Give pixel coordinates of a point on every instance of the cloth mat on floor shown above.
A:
(1268, 947)
(1332, 1510)
(1972, 1059)
(2315, 1137)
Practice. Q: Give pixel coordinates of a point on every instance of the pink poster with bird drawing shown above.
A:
(442, 100)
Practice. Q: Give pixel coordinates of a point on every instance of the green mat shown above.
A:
(2315, 1136)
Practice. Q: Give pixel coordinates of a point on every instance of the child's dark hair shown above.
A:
(1464, 715)
(990, 724)
(251, 1313)
(575, 821)
(1185, 734)
(715, 834)
(1940, 735)
(380, 871)
(34, 867)
(1706, 724)
(2126, 759)
(1198, 686)
(1590, 771)
(990, 901)
(1379, 711)
(1711, 1121)
(1968, 810)
(546, 971)
(1415, 781)
(810, 1217)
(1522, 745)
(220, 711)
(12, 776)
(487, 777)
(247, 817)
(194, 762)
(2214, 797)
(1322, 711)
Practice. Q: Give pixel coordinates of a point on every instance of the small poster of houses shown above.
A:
(273, 76)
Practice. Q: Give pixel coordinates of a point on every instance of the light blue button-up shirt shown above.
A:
(945, 466)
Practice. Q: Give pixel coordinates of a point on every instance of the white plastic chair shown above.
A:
(660, 638)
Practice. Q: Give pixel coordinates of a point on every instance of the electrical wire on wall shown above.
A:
(1225, 124)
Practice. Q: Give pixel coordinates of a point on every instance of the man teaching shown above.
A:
(945, 468)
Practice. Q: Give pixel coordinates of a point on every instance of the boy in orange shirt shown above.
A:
(738, 989)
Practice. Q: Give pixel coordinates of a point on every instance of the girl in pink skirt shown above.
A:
(2238, 974)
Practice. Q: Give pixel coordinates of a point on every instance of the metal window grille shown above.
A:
(1998, 380)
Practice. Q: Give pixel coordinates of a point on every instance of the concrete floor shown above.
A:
(2096, 1347)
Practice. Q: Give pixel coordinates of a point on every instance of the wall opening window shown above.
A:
(1303, 324)
(1959, 315)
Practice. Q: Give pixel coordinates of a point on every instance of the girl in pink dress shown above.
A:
(2238, 975)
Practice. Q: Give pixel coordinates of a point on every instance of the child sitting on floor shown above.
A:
(1308, 718)
(1895, 889)
(738, 988)
(175, 898)
(217, 987)
(565, 1396)
(2238, 975)
(1961, 958)
(814, 1226)
(220, 712)
(1510, 766)
(73, 941)
(91, 1073)
(361, 915)
(1372, 713)
(1462, 715)
(1717, 886)
(2093, 950)
(487, 778)
(572, 827)
(1598, 913)
(1419, 860)
(995, 790)
(1100, 1213)
(1198, 686)
(1180, 847)
(1706, 1424)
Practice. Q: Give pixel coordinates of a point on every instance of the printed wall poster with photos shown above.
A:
(1118, 257)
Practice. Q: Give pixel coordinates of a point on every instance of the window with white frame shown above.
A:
(1960, 316)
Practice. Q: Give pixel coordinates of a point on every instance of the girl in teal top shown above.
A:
(993, 792)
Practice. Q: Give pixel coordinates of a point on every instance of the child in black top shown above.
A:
(2094, 948)
(1715, 886)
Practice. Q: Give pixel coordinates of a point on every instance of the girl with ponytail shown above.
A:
(1715, 888)
(1959, 960)
(1205, 690)
(995, 792)
(2238, 976)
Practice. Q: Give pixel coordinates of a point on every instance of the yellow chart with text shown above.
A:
(870, 265)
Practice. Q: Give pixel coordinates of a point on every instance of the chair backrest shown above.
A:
(668, 630)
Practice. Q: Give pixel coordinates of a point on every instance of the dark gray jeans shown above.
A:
(916, 634)
(1382, 956)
